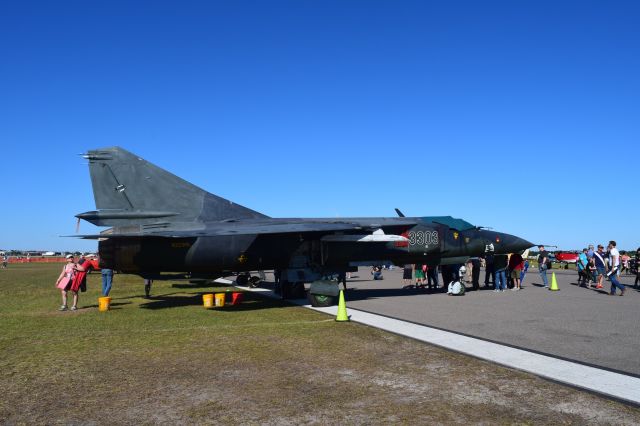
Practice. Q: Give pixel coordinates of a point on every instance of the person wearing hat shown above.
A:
(600, 264)
(65, 281)
(543, 259)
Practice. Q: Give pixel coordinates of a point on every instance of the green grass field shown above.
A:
(168, 360)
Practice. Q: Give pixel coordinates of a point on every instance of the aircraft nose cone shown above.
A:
(513, 244)
(501, 243)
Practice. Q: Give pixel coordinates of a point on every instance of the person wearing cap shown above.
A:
(65, 281)
(543, 259)
(600, 264)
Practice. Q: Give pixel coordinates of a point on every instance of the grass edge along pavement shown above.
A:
(168, 359)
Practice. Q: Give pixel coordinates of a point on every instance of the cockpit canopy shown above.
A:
(451, 222)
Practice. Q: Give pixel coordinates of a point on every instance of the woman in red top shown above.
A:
(80, 277)
(516, 264)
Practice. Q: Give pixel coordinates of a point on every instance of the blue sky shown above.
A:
(522, 116)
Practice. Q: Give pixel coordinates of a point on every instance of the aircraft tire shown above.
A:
(242, 280)
(254, 281)
(321, 301)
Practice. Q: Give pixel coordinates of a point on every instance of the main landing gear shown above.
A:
(246, 280)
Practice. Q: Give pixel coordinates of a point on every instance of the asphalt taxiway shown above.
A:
(583, 325)
(552, 340)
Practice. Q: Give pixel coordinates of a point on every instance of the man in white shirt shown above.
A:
(614, 264)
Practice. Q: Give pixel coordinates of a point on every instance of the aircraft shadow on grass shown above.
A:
(250, 302)
(194, 285)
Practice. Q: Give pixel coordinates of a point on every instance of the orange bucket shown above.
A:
(104, 303)
(207, 300)
(236, 298)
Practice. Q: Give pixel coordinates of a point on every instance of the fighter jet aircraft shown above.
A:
(161, 223)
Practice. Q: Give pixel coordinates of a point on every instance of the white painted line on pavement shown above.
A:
(616, 385)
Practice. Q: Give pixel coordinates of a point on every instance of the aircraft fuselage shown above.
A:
(427, 242)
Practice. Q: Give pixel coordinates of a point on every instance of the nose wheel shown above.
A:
(320, 300)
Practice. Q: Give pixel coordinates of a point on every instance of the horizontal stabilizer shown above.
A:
(102, 218)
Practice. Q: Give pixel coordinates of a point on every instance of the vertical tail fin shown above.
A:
(130, 190)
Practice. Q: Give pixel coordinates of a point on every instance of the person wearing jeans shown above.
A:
(107, 278)
(501, 280)
(543, 257)
(614, 261)
(615, 283)
(500, 266)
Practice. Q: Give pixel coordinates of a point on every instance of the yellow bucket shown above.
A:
(207, 300)
(220, 300)
(104, 303)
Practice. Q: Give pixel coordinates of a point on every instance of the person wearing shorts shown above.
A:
(419, 274)
(598, 259)
(407, 273)
(515, 266)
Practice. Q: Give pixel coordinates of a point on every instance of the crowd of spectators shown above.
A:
(504, 272)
